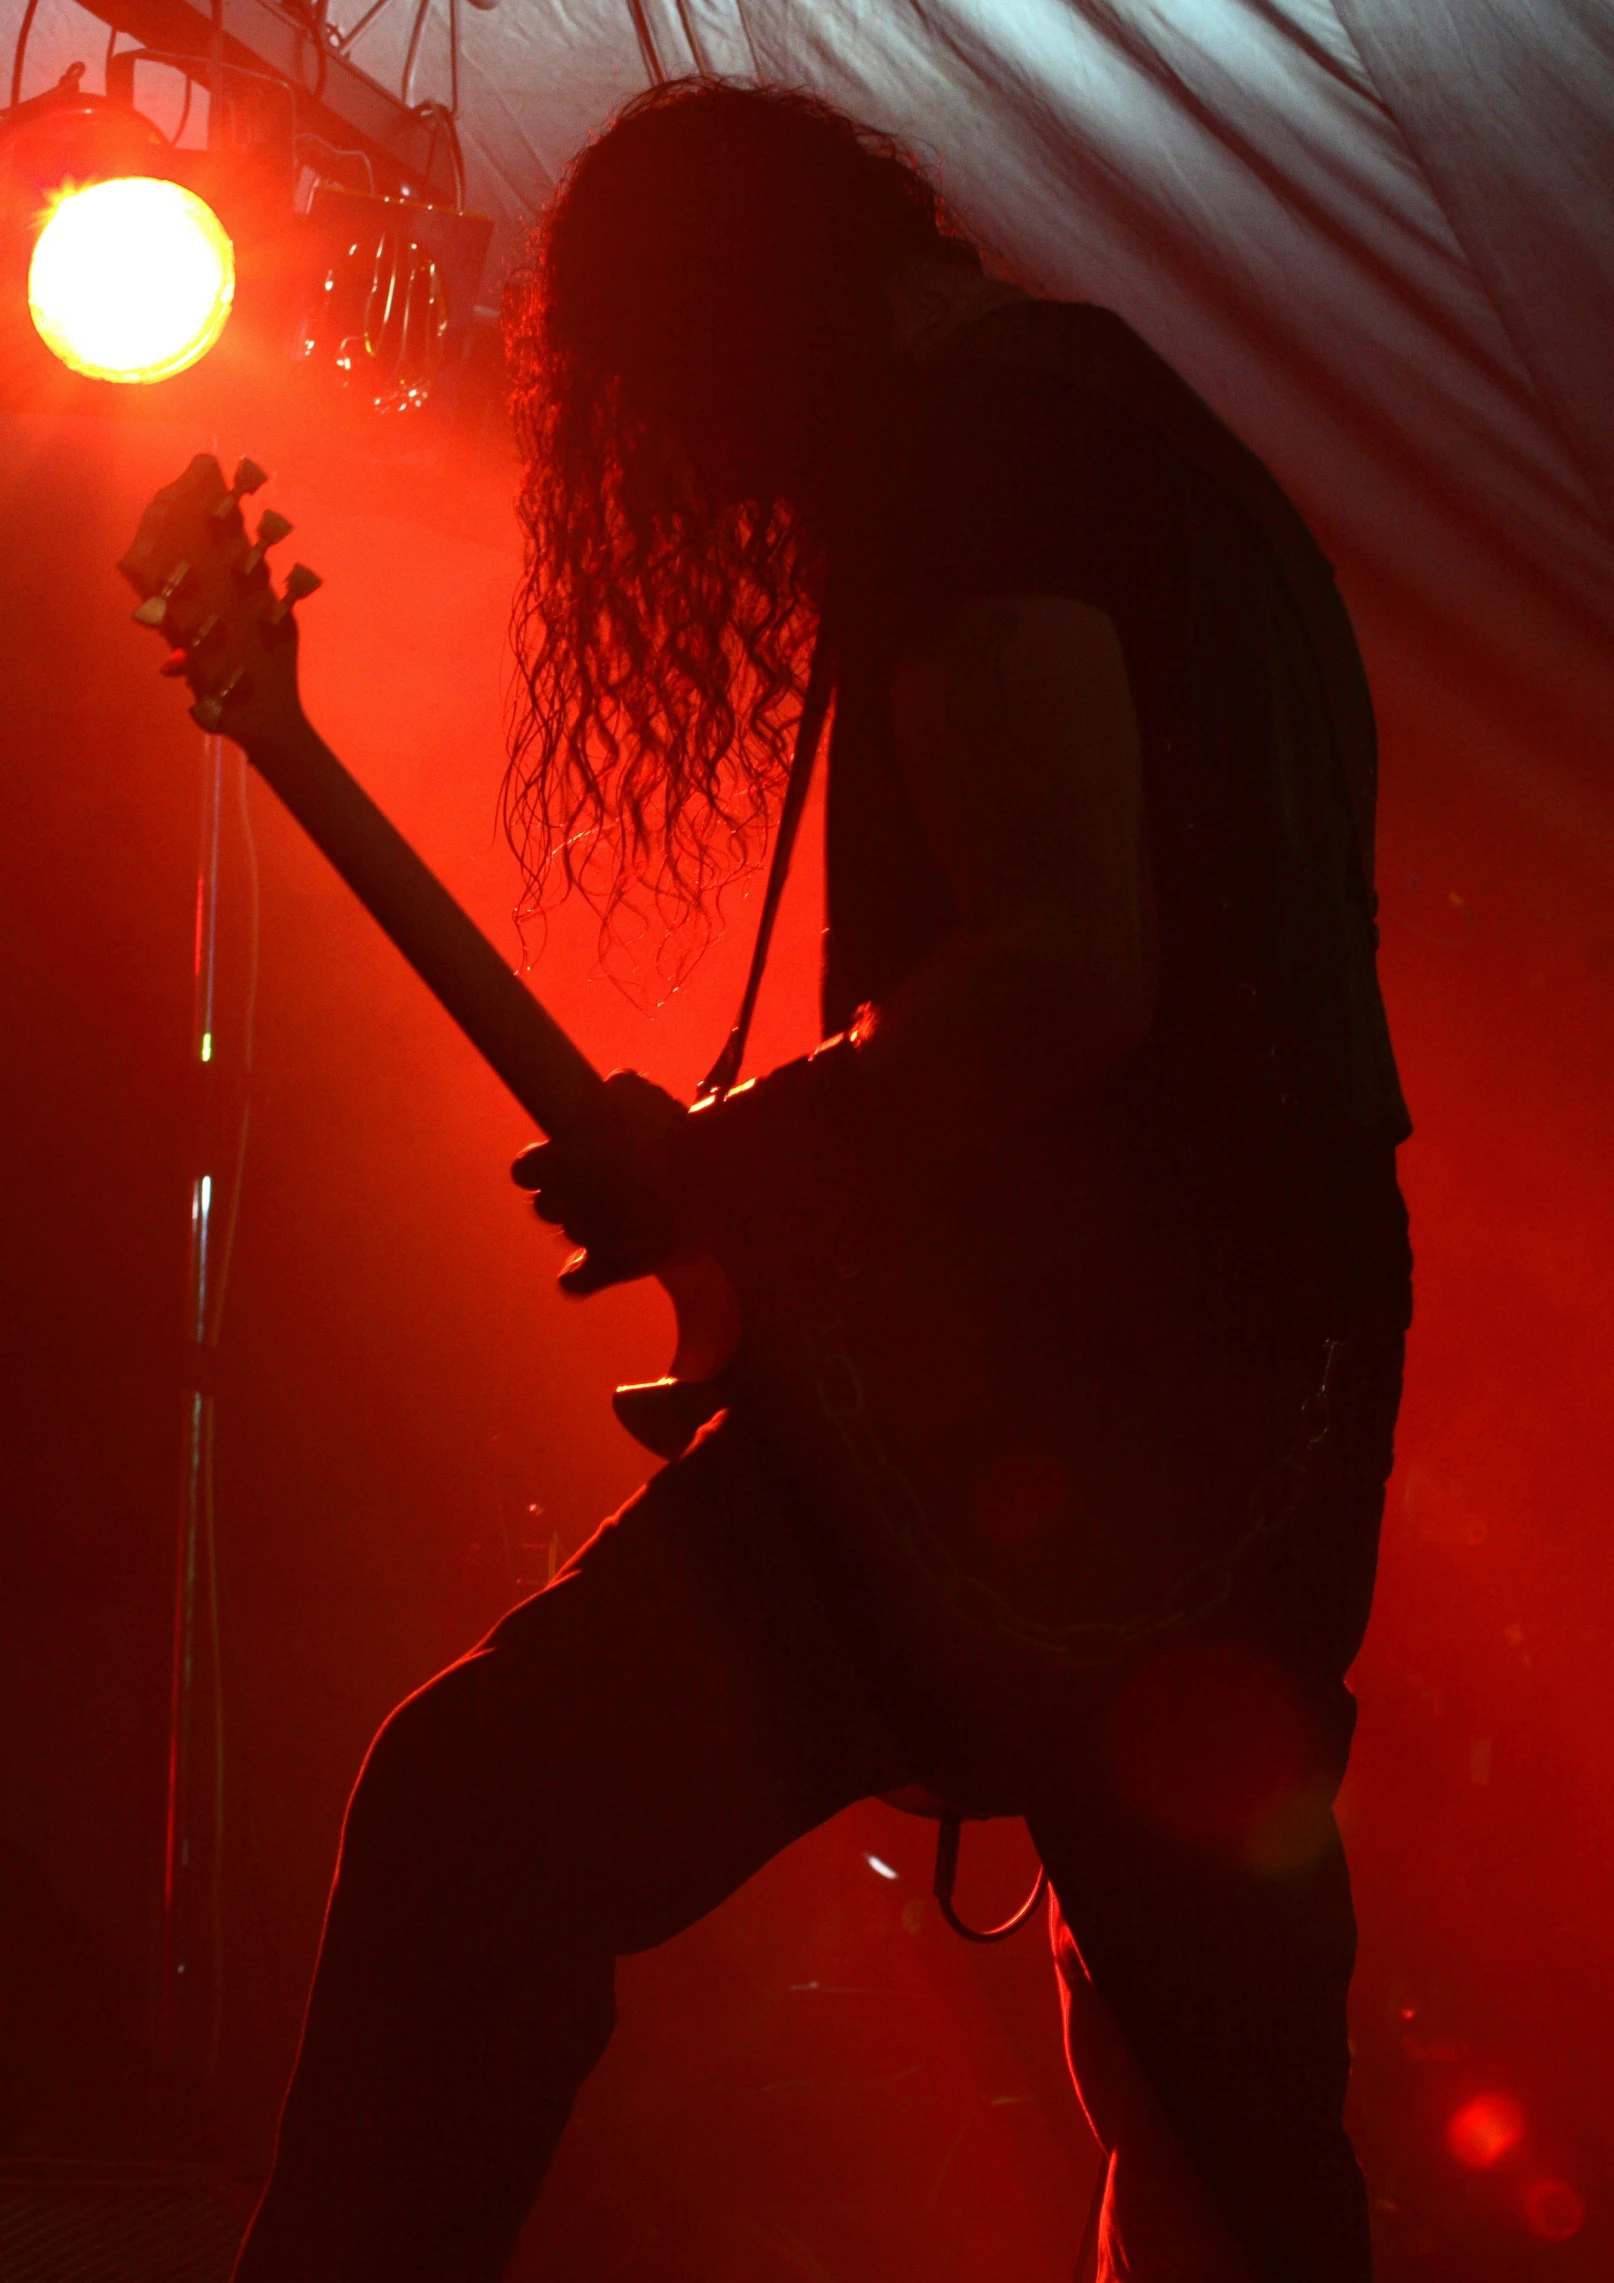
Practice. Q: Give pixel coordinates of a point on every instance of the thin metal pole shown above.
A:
(189, 1993)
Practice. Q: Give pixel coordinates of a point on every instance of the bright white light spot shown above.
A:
(131, 280)
(884, 1869)
(207, 1046)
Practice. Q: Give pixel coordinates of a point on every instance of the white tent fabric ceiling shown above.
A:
(1377, 234)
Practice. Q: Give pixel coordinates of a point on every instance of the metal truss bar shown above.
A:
(334, 98)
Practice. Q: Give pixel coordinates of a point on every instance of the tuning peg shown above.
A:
(154, 610)
(249, 477)
(179, 660)
(208, 712)
(300, 581)
(272, 528)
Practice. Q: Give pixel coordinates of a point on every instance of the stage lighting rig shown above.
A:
(299, 234)
(393, 312)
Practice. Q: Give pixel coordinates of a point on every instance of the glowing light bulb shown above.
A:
(131, 280)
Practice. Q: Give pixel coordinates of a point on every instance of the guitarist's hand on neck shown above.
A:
(609, 1183)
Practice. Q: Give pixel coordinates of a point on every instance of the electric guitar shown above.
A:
(970, 1478)
(205, 586)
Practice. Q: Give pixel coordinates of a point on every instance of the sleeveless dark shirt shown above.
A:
(1048, 450)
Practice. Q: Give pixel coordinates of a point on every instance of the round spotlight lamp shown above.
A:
(131, 280)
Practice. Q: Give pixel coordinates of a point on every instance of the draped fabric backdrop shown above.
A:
(1378, 235)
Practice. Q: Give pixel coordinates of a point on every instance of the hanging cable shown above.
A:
(310, 15)
(441, 122)
(217, 132)
(20, 50)
(249, 1028)
(413, 48)
(342, 41)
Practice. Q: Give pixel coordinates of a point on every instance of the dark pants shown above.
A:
(685, 1699)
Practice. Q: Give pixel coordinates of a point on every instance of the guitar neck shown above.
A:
(547, 1074)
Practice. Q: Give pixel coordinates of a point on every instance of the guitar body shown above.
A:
(987, 1418)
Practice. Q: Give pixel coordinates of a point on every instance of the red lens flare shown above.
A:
(1211, 1745)
(1554, 2210)
(1484, 2129)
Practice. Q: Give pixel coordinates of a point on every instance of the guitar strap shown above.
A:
(930, 304)
(809, 735)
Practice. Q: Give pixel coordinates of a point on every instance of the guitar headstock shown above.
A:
(205, 587)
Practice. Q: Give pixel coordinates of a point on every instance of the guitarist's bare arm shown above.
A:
(1017, 735)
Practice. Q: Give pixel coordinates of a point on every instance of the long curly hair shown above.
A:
(712, 269)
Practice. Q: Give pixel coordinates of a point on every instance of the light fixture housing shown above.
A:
(113, 255)
(236, 267)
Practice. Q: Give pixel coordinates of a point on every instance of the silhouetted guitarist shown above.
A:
(1100, 984)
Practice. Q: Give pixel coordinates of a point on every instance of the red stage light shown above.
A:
(1554, 2210)
(131, 279)
(1484, 2129)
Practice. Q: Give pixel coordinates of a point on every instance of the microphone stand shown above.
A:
(189, 1997)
